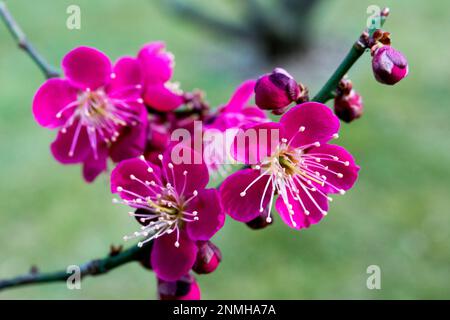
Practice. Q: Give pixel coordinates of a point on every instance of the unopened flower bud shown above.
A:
(389, 65)
(348, 107)
(208, 258)
(184, 289)
(260, 222)
(144, 256)
(275, 91)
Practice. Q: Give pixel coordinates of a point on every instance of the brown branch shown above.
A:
(114, 259)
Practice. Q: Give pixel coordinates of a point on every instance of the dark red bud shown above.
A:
(260, 222)
(184, 289)
(208, 258)
(144, 256)
(389, 65)
(348, 107)
(275, 91)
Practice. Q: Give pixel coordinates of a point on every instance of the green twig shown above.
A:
(359, 47)
(24, 44)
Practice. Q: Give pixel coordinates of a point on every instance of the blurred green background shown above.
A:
(396, 217)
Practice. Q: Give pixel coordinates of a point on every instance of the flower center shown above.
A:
(162, 212)
(296, 175)
(103, 115)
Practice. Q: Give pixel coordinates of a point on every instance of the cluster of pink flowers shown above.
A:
(130, 111)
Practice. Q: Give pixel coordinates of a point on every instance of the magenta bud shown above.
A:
(185, 288)
(208, 258)
(275, 91)
(348, 107)
(389, 65)
(260, 222)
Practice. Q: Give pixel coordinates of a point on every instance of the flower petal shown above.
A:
(87, 67)
(299, 219)
(247, 117)
(169, 262)
(240, 97)
(308, 123)
(341, 172)
(189, 172)
(244, 208)
(52, 97)
(62, 145)
(210, 215)
(252, 145)
(127, 78)
(92, 166)
(121, 177)
(254, 114)
(132, 139)
(160, 98)
(156, 63)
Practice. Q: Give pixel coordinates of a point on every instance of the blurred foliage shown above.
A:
(396, 217)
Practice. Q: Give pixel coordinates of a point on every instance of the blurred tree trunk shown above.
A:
(277, 28)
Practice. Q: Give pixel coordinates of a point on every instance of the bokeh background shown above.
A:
(396, 217)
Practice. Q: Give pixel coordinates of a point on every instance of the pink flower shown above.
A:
(235, 114)
(97, 109)
(299, 166)
(158, 139)
(157, 69)
(178, 209)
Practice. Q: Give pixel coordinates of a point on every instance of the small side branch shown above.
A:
(326, 93)
(95, 267)
(24, 44)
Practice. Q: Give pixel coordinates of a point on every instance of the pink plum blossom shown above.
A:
(97, 109)
(176, 208)
(235, 114)
(157, 68)
(300, 167)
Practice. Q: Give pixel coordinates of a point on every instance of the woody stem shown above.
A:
(92, 268)
(23, 43)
